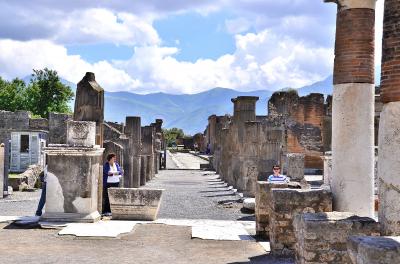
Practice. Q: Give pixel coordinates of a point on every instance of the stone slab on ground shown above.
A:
(221, 233)
(98, 229)
(249, 204)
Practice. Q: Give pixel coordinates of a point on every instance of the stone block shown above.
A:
(72, 183)
(285, 205)
(81, 133)
(322, 237)
(295, 166)
(263, 203)
(373, 250)
(134, 204)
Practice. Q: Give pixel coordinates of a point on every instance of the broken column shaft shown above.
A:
(389, 126)
(353, 108)
(133, 131)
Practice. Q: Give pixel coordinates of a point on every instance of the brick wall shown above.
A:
(390, 75)
(354, 49)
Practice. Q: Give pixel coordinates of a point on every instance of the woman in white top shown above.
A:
(112, 174)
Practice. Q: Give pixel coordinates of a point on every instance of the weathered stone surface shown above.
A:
(143, 170)
(110, 132)
(58, 128)
(2, 170)
(373, 250)
(353, 167)
(81, 133)
(134, 204)
(285, 205)
(249, 204)
(263, 204)
(27, 179)
(89, 104)
(389, 182)
(72, 178)
(295, 166)
(328, 168)
(133, 132)
(322, 237)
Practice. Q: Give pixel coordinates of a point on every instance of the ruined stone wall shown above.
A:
(10, 121)
(39, 124)
(304, 124)
(200, 140)
(110, 133)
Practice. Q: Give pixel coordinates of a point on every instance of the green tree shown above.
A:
(172, 134)
(46, 93)
(13, 95)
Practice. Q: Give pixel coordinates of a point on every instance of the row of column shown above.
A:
(353, 113)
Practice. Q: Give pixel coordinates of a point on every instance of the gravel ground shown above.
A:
(149, 243)
(195, 194)
(20, 203)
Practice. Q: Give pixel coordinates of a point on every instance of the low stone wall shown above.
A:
(285, 205)
(373, 250)
(263, 204)
(322, 237)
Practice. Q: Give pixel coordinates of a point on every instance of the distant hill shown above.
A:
(187, 111)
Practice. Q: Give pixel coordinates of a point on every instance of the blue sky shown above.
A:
(173, 46)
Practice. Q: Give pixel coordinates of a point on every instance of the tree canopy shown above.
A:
(43, 94)
(172, 134)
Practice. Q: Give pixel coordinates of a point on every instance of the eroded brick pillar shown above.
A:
(353, 108)
(133, 131)
(147, 150)
(389, 126)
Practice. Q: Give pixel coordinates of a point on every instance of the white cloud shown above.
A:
(19, 58)
(237, 25)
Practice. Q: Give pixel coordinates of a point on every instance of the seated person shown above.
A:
(277, 177)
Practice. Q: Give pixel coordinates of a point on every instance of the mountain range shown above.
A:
(189, 112)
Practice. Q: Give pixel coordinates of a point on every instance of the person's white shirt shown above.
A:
(115, 177)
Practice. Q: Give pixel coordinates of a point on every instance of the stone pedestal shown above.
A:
(285, 205)
(295, 166)
(72, 179)
(263, 204)
(134, 204)
(2, 170)
(373, 250)
(322, 237)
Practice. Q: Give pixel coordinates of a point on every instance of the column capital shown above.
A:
(349, 4)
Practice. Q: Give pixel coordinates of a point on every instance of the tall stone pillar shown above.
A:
(211, 133)
(132, 130)
(353, 108)
(147, 150)
(389, 126)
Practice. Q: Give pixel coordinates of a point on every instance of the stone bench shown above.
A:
(263, 202)
(285, 205)
(322, 237)
(134, 203)
(373, 250)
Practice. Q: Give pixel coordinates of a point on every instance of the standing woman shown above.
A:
(111, 176)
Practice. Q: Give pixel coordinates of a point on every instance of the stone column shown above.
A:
(353, 108)
(1, 170)
(389, 126)
(148, 142)
(132, 130)
(73, 173)
(295, 166)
